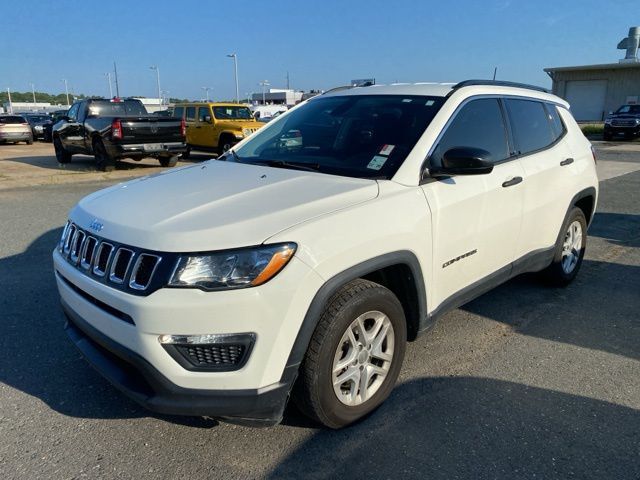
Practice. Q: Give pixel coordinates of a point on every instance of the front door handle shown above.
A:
(566, 161)
(511, 182)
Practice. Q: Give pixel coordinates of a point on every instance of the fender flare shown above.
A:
(312, 317)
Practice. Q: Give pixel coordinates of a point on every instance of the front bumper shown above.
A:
(617, 130)
(139, 380)
(147, 149)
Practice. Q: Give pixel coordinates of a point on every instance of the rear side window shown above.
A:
(557, 127)
(479, 124)
(191, 114)
(9, 119)
(178, 112)
(531, 125)
(203, 112)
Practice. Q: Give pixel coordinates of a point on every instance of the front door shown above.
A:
(476, 219)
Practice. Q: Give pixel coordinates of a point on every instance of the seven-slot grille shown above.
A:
(116, 264)
(624, 122)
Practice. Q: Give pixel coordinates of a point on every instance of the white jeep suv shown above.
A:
(301, 262)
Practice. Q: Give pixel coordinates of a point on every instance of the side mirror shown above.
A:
(463, 161)
(207, 118)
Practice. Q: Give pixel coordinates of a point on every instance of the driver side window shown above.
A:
(479, 124)
(73, 112)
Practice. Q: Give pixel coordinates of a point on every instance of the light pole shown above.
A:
(108, 75)
(33, 91)
(206, 89)
(235, 65)
(263, 84)
(155, 67)
(10, 104)
(66, 89)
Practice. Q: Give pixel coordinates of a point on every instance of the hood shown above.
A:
(216, 205)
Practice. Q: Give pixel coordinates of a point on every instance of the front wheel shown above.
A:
(354, 357)
(569, 250)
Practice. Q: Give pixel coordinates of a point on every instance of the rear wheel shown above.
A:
(186, 153)
(569, 250)
(169, 161)
(225, 143)
(354, 356)
(61, 154)
(104, 161)
(29, 141)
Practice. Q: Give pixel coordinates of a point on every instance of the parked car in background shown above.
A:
(56, 116)
(300, 266)
(14, 129)
(38, 122)
(215, 127)
(115, 129)
(266, 113)
(623, 122)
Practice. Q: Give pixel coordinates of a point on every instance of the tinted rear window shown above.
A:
(178, 112)
(127, 108)
(531, 126)
(191, 114)
(12, 119)
(557, 127)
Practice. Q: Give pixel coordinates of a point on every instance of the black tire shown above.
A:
(607, 136)
(557, 273)
(169, 161)
(186, 153)
(104, 161)
(29, 141)
(225, 142)
(314, 392)
(61, 154)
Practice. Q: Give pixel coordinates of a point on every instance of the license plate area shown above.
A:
(153, 147)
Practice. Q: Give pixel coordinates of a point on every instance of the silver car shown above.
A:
(14, 129)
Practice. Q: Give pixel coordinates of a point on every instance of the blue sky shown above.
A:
(322, 44)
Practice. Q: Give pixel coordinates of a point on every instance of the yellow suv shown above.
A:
(215, 126)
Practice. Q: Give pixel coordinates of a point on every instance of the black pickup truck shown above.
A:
(625, 121)
(117, 128)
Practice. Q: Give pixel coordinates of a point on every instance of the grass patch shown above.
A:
(592, 129)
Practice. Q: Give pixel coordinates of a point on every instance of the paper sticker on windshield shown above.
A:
(377, 162)
(386, 150)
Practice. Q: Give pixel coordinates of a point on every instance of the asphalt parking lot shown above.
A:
(524, 382)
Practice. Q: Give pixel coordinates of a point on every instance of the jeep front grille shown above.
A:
(119, 266)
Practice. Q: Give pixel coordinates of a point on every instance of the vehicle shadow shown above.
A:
(470, 428)
(617, 228)
(38, 359)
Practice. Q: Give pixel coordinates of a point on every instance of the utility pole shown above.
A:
(10, 104)
(108, 75)
(66, 89)
(206, 89)
(33, 91)
(288, 87)
(155, 67)
(235, 65)
(495, 71)
(263, 84)
(115, 71)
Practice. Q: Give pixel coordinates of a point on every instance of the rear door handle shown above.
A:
(512, 182)
(566, 161)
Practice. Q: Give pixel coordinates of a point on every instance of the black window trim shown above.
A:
(425, 178)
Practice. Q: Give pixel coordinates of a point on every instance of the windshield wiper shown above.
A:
(310, 167)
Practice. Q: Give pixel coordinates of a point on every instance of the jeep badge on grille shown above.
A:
(96, 226)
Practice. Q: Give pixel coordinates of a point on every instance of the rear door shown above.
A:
(204, 127)
(476, 218)
(539, 137)
(190, 120)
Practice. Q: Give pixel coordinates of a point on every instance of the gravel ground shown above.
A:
(524, 382)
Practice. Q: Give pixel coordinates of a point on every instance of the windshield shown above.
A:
(126, 108)
(232, 113)
(632, 109)
(366, 136)
(38, 118)
(12, 119)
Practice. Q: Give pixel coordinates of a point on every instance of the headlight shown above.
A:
(239, 134)
(248, 267)
(246, 132)
(607, 121)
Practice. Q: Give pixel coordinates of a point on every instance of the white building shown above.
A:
(23, 107)
(278, 96)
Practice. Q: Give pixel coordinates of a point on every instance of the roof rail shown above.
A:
(498, 83)
(337, 89)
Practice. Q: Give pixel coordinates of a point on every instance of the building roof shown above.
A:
(603, 66)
